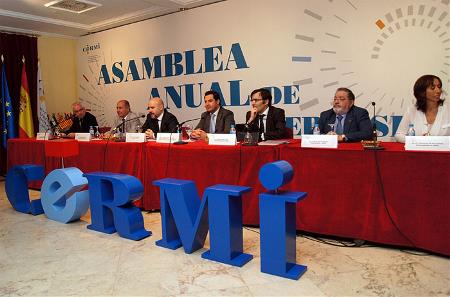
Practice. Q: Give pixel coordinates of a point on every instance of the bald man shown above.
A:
(158, 119)
(131, 120)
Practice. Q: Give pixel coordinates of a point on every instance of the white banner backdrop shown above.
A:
(302, 50)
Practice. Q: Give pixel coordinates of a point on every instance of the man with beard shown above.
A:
(158, 119)
(351, 123)
(82, 120)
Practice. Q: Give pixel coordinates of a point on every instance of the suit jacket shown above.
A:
(275, 123)
(225, 118)
(130, 126)
(357, 125)
(169, 123)
(83, 125)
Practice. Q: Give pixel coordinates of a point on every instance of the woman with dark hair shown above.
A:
(430, 115)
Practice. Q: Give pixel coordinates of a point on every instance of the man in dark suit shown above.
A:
(349, 122)
(158, 119)
(215, 119)
(82, 120)
(270, 121)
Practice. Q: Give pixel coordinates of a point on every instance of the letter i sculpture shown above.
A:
(277, 222)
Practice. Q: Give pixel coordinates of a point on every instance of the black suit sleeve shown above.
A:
(74, 127)
(363, 130)
(146, 124)
(172, 123)
(278, 123)
(94, 121)
(323, 125)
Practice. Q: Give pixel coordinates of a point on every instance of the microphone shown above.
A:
(373, 144)
(374, 125)
(180, 125)
(126, 121)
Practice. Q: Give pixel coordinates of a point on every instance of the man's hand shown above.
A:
(199, 134)
(253, 112)
(149, 134)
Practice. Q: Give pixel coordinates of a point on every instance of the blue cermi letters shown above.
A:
(185, 219)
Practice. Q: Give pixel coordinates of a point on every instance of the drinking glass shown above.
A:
(188, 128)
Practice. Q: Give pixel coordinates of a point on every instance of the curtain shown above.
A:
(13, 47)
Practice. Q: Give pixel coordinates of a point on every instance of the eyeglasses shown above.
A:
(255, 100)
(339, 99)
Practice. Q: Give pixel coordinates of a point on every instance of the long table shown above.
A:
(391, 197)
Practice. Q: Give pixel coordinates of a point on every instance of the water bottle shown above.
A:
(91, 131)
(411, 131)
(97, 132)
(138, 128)
(232, 129)
(316, 130)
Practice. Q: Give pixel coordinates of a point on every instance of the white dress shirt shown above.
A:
(440, 127)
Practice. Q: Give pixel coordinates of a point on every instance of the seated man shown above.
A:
(265, 118)
(215, 119)
(349, 122)
(82, 120)
(158, 119)
(126, 120)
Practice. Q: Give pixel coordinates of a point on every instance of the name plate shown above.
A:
(319, 141)
(135, 137)
(427, 143)
(44, 136)
(168, 137)
(83, 136)
(222, 139)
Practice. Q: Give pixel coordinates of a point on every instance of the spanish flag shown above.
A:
(26, 129)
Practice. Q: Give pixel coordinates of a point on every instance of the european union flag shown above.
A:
(6, 111)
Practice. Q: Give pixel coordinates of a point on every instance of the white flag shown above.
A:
(44, 123)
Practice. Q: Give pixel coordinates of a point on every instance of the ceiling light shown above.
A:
(75, 6)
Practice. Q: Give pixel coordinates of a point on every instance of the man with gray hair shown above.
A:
(351, 123)
(82, 120)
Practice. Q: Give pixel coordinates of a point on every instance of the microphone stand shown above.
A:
(374, 144)
(122, 125)
(374, 125)
(180, 130)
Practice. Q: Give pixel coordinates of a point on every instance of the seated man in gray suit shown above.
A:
(215, 119)
(126, 120)
(349, 122)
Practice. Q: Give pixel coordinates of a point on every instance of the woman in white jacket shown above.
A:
(431, 114)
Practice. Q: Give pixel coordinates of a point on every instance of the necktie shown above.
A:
(157, 126)
(339, 128)
(261, 123)
(212, 124)
(122, 128)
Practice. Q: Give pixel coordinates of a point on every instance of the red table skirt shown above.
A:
(391, 196)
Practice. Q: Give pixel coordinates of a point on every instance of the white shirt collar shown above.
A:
(160, 116)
